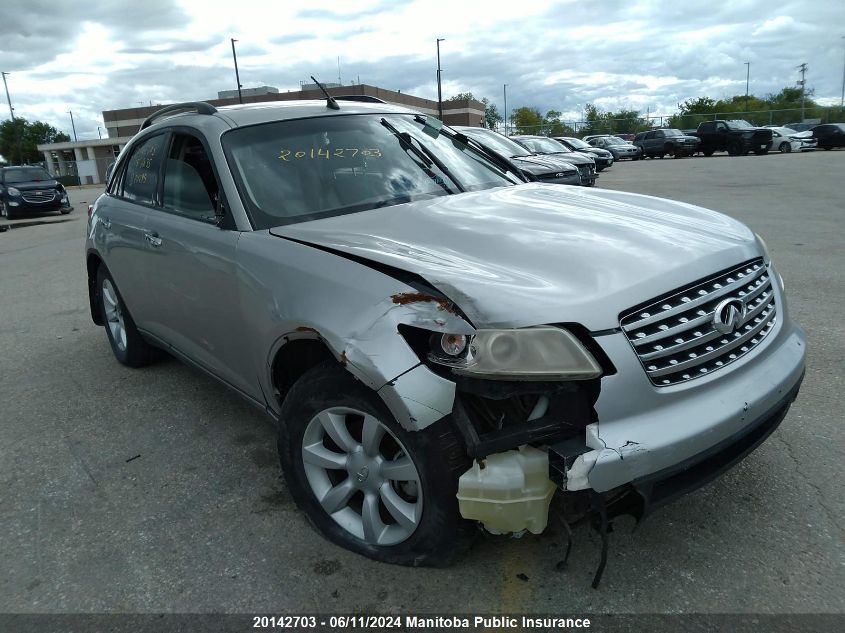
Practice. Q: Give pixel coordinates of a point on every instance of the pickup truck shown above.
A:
(658, 143)
(737, 138)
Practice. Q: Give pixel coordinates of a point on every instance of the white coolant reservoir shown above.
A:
(510, 494)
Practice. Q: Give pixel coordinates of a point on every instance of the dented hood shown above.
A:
(537, 253)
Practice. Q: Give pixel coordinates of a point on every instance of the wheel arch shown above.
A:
(93, 261)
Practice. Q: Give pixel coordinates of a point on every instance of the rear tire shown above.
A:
(328, 402)
(785, 148)
(126, 342)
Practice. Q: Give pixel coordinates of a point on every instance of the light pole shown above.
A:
(99, 132)
(72, 125)
(8, 98)
(505, 89)
(747, 78)
(842, 98)
(439, 90)
(237, 76)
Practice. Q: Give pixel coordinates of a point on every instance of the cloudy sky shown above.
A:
(109, 54)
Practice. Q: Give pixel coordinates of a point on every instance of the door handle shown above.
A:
(153, 239)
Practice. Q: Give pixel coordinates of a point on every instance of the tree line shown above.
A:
(773, 109)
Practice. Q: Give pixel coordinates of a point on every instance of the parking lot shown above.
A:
(158, 490)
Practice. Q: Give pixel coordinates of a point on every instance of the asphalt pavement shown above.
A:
(156, 490)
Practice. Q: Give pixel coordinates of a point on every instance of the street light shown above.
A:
(505, 89)
(6, 86)
(72, 125)
(237, 76)
(747, 78)
(842, 98)
(439, 91)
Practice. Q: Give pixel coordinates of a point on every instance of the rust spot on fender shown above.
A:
(343, 359)
(405, 298)
(303, 328)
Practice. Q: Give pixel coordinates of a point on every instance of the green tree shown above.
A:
(492, 118)
(553, 126)
(526, 120)
(461, 96)
(19, 138)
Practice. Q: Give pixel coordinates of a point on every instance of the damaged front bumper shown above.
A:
(644, 430)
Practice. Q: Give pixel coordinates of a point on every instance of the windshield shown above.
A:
(672, 133)
(307, 169)
(613, 140)
(26, 174)
(739, 123)
(544, 145)
(495, 141)
(577, 143)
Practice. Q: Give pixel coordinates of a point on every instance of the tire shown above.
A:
(327, 396)
(785, 148)
(129, 347)
(7, 211)
(761, 152)
(707, 152)
(827, 148)
(64, 211)
(735, 149)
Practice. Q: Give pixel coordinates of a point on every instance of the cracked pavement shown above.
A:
(157, 490)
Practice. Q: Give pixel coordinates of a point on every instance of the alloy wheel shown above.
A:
(362, 476)
(114, 315)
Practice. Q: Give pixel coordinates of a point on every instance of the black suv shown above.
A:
(31, 188)
(830, 135)
(659, 143)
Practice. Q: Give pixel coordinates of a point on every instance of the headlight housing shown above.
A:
(13, 191)
(538, 353)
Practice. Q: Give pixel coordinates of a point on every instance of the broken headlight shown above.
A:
(539, 353)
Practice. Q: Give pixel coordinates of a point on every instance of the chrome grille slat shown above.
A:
(688, 305)
(703, 358)
(677, 340)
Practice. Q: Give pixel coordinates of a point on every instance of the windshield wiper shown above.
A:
(423, 153)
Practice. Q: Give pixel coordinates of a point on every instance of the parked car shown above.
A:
(548, 169)
(735, 137)
(798, 127)
(830, 135)
(602, 157)
(659, 143)
(786, 140)
(547, 147)
(441, 343)
(616, 146)
(30, 188)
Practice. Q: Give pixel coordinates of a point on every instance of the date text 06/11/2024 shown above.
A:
(420, 622)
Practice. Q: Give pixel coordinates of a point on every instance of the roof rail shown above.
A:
(362, 98)
(201, 107)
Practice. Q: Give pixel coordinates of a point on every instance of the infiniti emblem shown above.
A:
(362, 474)
(728, 315)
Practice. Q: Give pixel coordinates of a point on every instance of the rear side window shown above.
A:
(140, 181)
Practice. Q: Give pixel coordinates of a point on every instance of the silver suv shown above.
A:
(442, 344)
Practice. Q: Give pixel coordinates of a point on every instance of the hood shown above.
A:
(596, 151)
(33, 184)
(576, 158)
(538, 165)
(536, 253)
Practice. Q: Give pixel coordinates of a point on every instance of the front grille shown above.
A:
(675, 337)
(38, 197)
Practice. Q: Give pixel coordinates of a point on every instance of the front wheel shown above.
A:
(363, 481)
(126, 342)
(6, 210)
(707, 152)
(785, 148)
